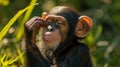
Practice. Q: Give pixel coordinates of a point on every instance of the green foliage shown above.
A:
(26, 17)
(12, 21)
(5, 61)
(4, 2)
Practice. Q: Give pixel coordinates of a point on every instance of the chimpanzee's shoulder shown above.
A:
(81, 46)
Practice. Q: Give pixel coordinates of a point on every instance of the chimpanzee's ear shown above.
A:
(83, 26)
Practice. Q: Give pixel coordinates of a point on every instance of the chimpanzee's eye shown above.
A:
(48, 22)
(60, 23)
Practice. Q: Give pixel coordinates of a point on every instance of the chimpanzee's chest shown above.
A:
(67, 59)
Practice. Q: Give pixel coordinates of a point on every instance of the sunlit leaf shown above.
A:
(19, 53)
(106, 65)
(26, 17)
(2, 59)
(12, 21)
(13, 60)
(98, 32)
(4, 2)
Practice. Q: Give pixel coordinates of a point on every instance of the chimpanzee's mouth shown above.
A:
(49, 38)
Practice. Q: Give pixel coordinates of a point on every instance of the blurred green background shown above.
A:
(103, 40)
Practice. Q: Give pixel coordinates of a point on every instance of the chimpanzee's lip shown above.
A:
(49, 38)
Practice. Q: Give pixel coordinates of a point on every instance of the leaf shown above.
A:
(4, 2)
(13, 60)
(19, 53)
(12, 21)
(26, 17)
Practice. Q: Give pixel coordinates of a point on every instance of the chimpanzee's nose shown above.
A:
(50, 28)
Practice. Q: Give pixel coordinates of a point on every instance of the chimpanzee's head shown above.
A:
(65, 24)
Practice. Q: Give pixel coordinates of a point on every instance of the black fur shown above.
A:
(70, 53)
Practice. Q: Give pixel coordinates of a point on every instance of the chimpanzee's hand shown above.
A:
(32, 26)
(35, 23)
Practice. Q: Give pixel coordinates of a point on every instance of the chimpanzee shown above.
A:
(60, 31)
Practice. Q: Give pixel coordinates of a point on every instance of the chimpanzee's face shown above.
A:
(55, 31)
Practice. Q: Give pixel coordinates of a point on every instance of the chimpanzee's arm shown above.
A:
(33, 55)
